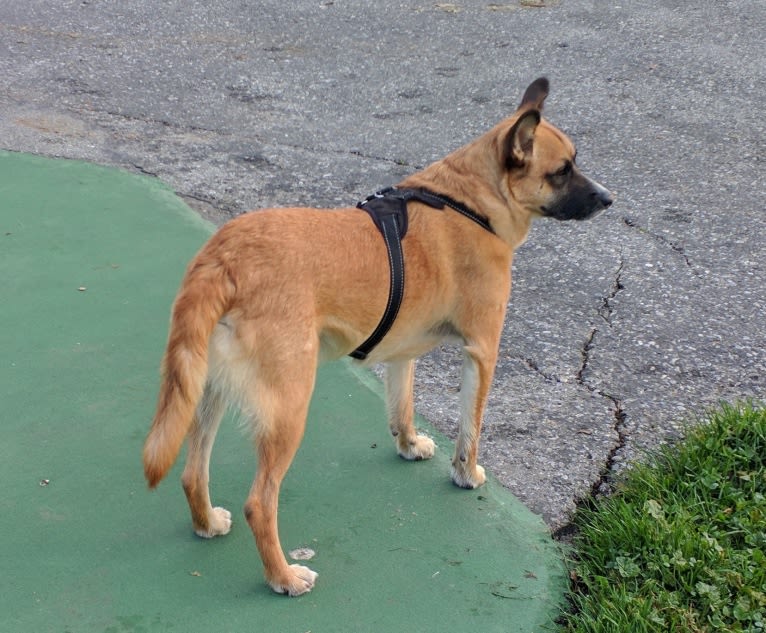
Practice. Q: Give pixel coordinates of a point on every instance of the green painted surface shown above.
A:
(90, 260)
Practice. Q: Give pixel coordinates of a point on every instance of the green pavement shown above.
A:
(90, 259)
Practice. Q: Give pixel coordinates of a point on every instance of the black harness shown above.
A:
(388, 210)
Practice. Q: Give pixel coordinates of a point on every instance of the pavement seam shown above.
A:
(146, 119)
(297, 146)
(399, 162)
(144, 171)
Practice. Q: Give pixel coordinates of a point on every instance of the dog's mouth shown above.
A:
(564, 213)
(594, 214)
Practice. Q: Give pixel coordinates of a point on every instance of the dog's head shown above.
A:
(540, 165)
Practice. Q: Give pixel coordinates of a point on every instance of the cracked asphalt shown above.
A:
(620, 331)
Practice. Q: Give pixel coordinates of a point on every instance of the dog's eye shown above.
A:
(563, 172)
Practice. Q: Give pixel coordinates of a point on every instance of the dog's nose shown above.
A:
(603, 196)
(606, 199)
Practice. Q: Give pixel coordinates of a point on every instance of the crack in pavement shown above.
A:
(679, 250)
(620, 415)
(602, 484)
(530, 362)
(606, 311)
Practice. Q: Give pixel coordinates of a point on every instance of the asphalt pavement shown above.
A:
(619, 332)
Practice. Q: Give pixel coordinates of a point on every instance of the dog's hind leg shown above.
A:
(400, 376)
(206, 520)
(281, 399)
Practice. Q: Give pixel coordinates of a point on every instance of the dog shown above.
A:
(275, 292)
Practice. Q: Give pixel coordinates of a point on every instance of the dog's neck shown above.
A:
(449, 177)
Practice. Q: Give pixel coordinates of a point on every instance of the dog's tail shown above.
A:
(205, 296)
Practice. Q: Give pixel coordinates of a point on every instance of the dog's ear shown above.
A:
(520, 139)
(535, 94)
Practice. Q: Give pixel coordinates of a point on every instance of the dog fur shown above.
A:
(275, 292)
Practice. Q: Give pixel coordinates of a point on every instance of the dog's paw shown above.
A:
(464, 479)
(421, 447)
(218, 524)
(298, 580)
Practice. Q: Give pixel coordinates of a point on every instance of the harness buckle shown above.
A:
(381, 193)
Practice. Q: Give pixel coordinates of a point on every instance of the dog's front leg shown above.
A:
(399, 382)
(478, 369)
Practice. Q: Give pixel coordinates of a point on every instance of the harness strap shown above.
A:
(439, 201)
(388, 210)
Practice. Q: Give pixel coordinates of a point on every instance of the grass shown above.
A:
(681, 546)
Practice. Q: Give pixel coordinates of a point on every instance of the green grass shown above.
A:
(681, 546)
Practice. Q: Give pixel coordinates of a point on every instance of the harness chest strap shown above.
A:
(388, 210)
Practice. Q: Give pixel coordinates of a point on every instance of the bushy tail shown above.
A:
(204, 297)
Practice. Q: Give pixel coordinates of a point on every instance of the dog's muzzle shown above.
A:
(583, 199)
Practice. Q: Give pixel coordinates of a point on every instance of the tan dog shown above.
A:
(275, 292)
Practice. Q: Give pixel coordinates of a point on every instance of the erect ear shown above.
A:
(535, 94)
(520, 139)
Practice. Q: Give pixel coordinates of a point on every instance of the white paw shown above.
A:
(299, 580)
(219, 523)
(465, 480)
(421, 448)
